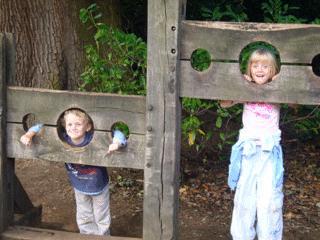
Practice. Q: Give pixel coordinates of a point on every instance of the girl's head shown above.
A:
(76, 124)
(262, 66)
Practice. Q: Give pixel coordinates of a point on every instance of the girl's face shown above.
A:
(260, 72)
(76, 127)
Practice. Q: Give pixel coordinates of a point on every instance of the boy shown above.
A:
(90, 183)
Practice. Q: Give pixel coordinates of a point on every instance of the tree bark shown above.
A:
(49, 45)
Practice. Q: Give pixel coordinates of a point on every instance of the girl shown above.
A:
(256, 164)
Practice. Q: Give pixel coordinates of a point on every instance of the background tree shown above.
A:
(49, 52)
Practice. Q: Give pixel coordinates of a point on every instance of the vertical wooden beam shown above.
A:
(3, 193)
(163, 117)
(10, 56)
(7, 60)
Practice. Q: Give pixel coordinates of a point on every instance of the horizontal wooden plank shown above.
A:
(29, 233)
(297, 43)
(104, 109)
(295, 84)
(48, 146)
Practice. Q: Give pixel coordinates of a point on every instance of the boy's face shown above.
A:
(260, 72)
(76, 127)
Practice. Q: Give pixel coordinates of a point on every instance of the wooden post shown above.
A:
(3, 158)
(6, 168)
(163, 117)
(10, 162)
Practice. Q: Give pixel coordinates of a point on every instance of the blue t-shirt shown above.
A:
(90, 180)
(87, 179)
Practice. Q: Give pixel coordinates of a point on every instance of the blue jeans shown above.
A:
(257, 198)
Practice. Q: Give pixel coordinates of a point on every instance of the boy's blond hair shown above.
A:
(262, 54)
(79, 113)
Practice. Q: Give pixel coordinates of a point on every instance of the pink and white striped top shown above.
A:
(261, 118)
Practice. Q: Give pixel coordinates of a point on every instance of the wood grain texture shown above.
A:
(48, 146)
(104, 109)
(3, 217)
(29, 233)
(296, 43)
(162, 157)
(295, 84)
(5, 170)
(10, 67)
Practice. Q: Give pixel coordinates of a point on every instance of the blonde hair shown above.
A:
(77, 112)
(265, 55)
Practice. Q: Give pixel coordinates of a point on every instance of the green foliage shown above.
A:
(125, 182)
(226, 12)
(116, 63)
(191, 124)
(220, 132)
(303, 121)
(277, 12)
(226, 135)
(200, 59)
(121, 126)
(316, 21)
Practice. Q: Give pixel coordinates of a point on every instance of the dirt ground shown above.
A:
(205, 200)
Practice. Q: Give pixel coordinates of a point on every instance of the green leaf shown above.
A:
(83, 15)
(191, 138)
(219, 122)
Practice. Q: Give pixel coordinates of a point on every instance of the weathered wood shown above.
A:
(10, 164)
(4, 213)
(295, 84)
(104, 109)
(10, 194)
(10, 58)
(28, 233)
(296, 43)
(48, 146)
(163, 121)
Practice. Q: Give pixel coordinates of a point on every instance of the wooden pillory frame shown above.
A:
(154, 121)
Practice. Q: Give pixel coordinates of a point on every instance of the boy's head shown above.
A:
(262, 66)
(76, 124)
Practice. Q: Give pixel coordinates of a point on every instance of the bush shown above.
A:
(116, 63)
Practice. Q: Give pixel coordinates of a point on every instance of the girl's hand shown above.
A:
(227, 103)
(247, 77)
(26, 139)
(274, 77)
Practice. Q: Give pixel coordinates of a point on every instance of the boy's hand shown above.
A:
(26, 139)
(113, 147)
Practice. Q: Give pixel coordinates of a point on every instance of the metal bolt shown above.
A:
(150, 107)
(173, 51)
(173, 28)
(148, 165)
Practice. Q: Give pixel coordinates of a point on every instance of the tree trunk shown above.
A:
(49, 49)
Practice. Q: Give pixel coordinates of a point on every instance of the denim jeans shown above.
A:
(258, 201)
